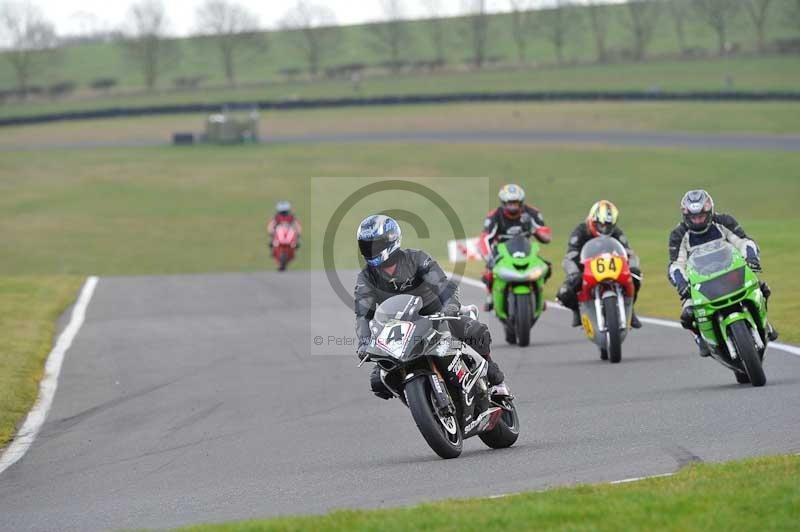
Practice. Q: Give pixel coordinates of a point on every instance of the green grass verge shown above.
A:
(781, 73)
(168, 210)
(756, 494)
(29, 307)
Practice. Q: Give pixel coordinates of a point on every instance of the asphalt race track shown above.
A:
(642, 139)
(189, 399)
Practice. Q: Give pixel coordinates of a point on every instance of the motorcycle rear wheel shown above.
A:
(611, 313)
(748, 354)
(443, 442)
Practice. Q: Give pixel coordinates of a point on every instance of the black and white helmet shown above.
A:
(697, 209)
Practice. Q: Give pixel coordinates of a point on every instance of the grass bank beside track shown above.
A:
(29, 308)
(756, 494)
(170, 210)
(723, 117)
(767, 73)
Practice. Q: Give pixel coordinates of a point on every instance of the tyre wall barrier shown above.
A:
(275, 105)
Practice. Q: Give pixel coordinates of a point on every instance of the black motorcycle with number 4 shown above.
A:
(441, 381)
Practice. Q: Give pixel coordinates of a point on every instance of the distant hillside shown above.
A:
(82, 63)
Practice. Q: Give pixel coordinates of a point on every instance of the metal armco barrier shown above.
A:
(563, 96)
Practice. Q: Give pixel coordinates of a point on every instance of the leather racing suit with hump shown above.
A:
(682, 241)
(416, 273)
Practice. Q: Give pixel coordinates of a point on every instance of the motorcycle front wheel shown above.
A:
(614, 338)
(523, 318)
(748, 354)
(442, 434)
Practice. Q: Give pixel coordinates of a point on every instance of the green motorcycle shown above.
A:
(729, 309)
(517, 289)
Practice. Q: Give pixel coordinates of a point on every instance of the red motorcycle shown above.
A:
(606, 299)
(284, 244)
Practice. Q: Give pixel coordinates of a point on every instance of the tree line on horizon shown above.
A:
(232, 32)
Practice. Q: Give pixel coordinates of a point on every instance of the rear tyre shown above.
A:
(748, 354)
(445, 441)
(523, 319)
(611, 313)
(506, 432)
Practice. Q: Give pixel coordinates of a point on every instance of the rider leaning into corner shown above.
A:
(392, 271)
(602, 220)
(511, 213)
(284, 215)
(700, 225)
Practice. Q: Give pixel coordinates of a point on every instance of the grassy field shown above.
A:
(168, 210)
(758, 494)
(739, 73)
(772, 118)
(29, 307)
(83, 63)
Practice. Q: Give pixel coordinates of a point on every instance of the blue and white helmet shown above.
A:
(378, 237)
(283, 207)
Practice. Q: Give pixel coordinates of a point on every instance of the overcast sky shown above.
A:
(82, 16)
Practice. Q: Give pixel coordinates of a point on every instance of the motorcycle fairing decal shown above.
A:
(606, 267)
(395, 336)
(587, 325)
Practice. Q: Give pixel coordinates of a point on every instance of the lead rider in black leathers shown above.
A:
(392, 271)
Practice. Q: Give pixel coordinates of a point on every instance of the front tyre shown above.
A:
(283, 260)
(523, 318)
(747, 351)
(506, 432)
(442, 435)
(614, 338)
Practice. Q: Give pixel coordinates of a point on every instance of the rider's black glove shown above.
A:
(754, 264)
(451, 309)
(362, 351)
(683, 289)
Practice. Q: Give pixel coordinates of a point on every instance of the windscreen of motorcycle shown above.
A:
(711, 258)
(600, 245)
(519, 247)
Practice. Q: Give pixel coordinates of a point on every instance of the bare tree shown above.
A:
(31, 39)
(313, 31)
(641, 20)
(146, 43)
(598, 17)
(522, 19)
(556, 22)
(233, 30)
(476, 29)
(679, 11)
(758, 9)
(717, 14)
(391, 35)
(435, 27)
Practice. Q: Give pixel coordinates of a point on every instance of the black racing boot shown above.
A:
(494, 374)
(576, 318)
(377, 385)
(635, 323)
(702, 345)
(772, 332)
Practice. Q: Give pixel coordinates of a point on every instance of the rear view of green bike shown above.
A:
(729, 309)
(519, 277)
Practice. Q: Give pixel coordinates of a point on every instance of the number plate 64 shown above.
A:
(606, 267)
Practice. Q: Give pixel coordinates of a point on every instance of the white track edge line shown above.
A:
(787, 348)
(49, 383)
